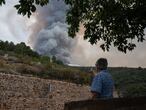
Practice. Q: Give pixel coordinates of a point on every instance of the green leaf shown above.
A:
(2, 2)
(17, 6)
(33, 8)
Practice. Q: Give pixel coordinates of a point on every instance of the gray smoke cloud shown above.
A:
(48, 36)
(49, 33)
(46, 31)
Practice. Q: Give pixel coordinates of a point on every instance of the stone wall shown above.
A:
(137, 103)
(29, 93)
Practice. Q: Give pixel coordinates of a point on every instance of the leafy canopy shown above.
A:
(27, 7)
(116, 22)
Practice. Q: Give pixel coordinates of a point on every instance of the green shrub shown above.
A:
(135, 90)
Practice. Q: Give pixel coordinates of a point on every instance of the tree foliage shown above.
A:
(27, 7)
(19, 48)
(116, 22)
(2, 2)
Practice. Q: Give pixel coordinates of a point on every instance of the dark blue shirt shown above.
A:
(103, 84)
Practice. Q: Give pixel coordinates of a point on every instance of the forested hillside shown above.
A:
(129, 82)
(21, 59)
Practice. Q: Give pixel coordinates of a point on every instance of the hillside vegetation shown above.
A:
(130, 82)
(20, 59)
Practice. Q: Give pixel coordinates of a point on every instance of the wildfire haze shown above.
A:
(46, 33)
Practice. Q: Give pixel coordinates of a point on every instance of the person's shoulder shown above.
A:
(97, 76)
(103, 72)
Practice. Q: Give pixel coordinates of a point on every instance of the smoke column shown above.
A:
(46, 32)
(48, 36)
(49, 33)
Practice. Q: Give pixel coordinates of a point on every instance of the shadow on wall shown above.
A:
(138, 103)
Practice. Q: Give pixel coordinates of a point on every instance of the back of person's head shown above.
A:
(102, 63)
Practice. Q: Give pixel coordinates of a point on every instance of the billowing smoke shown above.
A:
(49, 36)
(49, 33)
(46, 32)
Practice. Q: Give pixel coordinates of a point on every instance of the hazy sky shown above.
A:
(16, 28)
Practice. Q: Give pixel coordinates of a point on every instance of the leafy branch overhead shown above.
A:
(27, 7)
(2, 2)
(116, 22)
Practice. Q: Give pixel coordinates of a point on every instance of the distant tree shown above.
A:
(59, 62)
(19, 48)
(6, 45)
(139, 68)
(45, 59)
(2, 45)
(54, 59)
(11, 46)
(116, 22)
